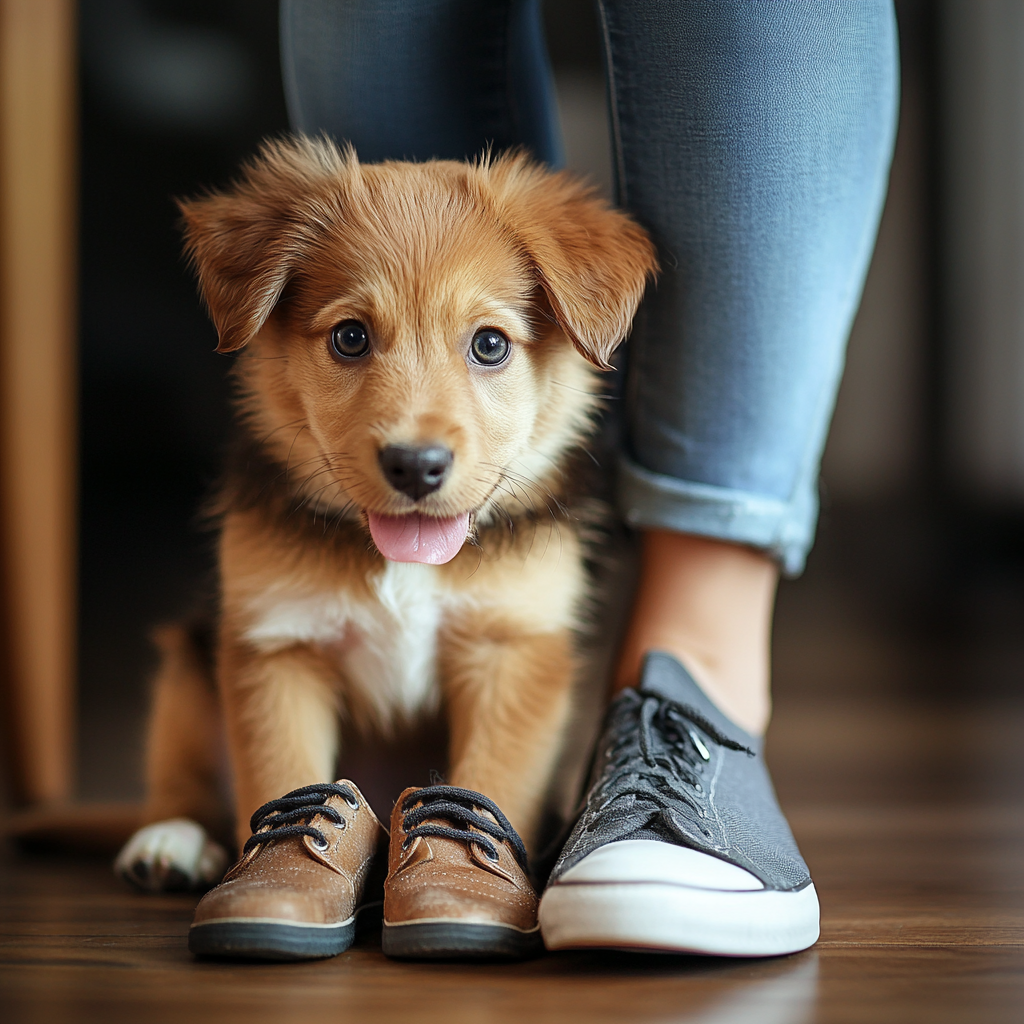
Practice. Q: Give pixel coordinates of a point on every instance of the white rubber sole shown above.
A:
(677, 919)
(640, 894)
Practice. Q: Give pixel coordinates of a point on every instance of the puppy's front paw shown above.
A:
(172, 855)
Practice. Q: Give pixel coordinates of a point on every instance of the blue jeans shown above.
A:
(752, 138)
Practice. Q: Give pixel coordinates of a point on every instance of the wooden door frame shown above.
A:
(38, 390)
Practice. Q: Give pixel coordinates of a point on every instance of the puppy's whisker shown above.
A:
(340, 515)
(303, 504)
(312, 476)
(529, 485)
(284, 426)
(297, 465)
(284, 473)
(589, 394)
(544, 493)
(315, 495)
(556, 464)
(288, 459)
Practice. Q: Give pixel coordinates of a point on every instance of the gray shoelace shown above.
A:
(657, 758)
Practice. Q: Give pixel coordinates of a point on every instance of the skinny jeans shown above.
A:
(752, 138)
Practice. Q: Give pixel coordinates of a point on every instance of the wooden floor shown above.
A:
(900, 763)
(922, 920)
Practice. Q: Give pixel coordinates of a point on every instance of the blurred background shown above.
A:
(912, 606)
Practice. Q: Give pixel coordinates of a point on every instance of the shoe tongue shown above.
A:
(419, 538)
(663, 676)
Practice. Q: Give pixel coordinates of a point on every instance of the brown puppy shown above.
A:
(419, 344)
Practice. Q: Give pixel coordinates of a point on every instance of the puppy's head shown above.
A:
(420, 338)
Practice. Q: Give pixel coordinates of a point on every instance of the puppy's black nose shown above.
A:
(413, 469)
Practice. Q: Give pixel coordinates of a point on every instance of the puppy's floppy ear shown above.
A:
(245, 243)
(592, 260)
(241, 254)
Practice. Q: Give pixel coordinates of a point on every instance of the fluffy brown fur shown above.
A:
(317, 631)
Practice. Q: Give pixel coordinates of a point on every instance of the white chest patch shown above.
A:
(386, 645)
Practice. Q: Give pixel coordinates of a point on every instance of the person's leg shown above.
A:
(753, 140)
(709, 603)
(415, 79)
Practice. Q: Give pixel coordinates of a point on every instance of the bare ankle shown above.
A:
(708, 603)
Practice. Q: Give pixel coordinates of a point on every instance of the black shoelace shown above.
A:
(657, 755)
(290, 815)
(459, 807)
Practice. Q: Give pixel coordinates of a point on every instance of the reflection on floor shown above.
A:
(923, 920)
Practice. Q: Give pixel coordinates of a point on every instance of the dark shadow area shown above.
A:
(174, 96)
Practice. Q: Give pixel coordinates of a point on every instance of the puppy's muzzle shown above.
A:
(415, 470)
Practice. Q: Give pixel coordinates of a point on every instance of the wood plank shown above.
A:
(922, 920)
(38, 256)
(77, 828)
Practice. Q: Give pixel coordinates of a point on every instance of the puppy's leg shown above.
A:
(184, 742)
(281, 716)
(508, 697)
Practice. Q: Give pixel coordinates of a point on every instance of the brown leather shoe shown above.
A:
(304, 875)
(457, 884)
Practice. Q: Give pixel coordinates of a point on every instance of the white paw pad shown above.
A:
(174, 854)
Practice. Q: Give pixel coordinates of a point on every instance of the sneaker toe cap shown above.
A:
(647, 860)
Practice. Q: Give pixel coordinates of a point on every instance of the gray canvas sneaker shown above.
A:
(681, 845)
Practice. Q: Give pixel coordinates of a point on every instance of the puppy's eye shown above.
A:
(490, 347)
(349, 340)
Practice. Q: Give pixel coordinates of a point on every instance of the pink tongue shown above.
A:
(419, 538)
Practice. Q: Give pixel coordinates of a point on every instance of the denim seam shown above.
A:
(613, 106)
(291, 88)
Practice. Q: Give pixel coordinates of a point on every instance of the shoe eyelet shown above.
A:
(353, 803)
(341, 825)
(320, 845)
(492, 856)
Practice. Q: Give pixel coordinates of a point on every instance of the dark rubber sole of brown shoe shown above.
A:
(243, 939)
(265, 940)
(459, 940)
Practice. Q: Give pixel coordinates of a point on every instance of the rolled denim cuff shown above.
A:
(783, 529)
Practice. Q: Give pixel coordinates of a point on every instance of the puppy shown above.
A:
(418, 354)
